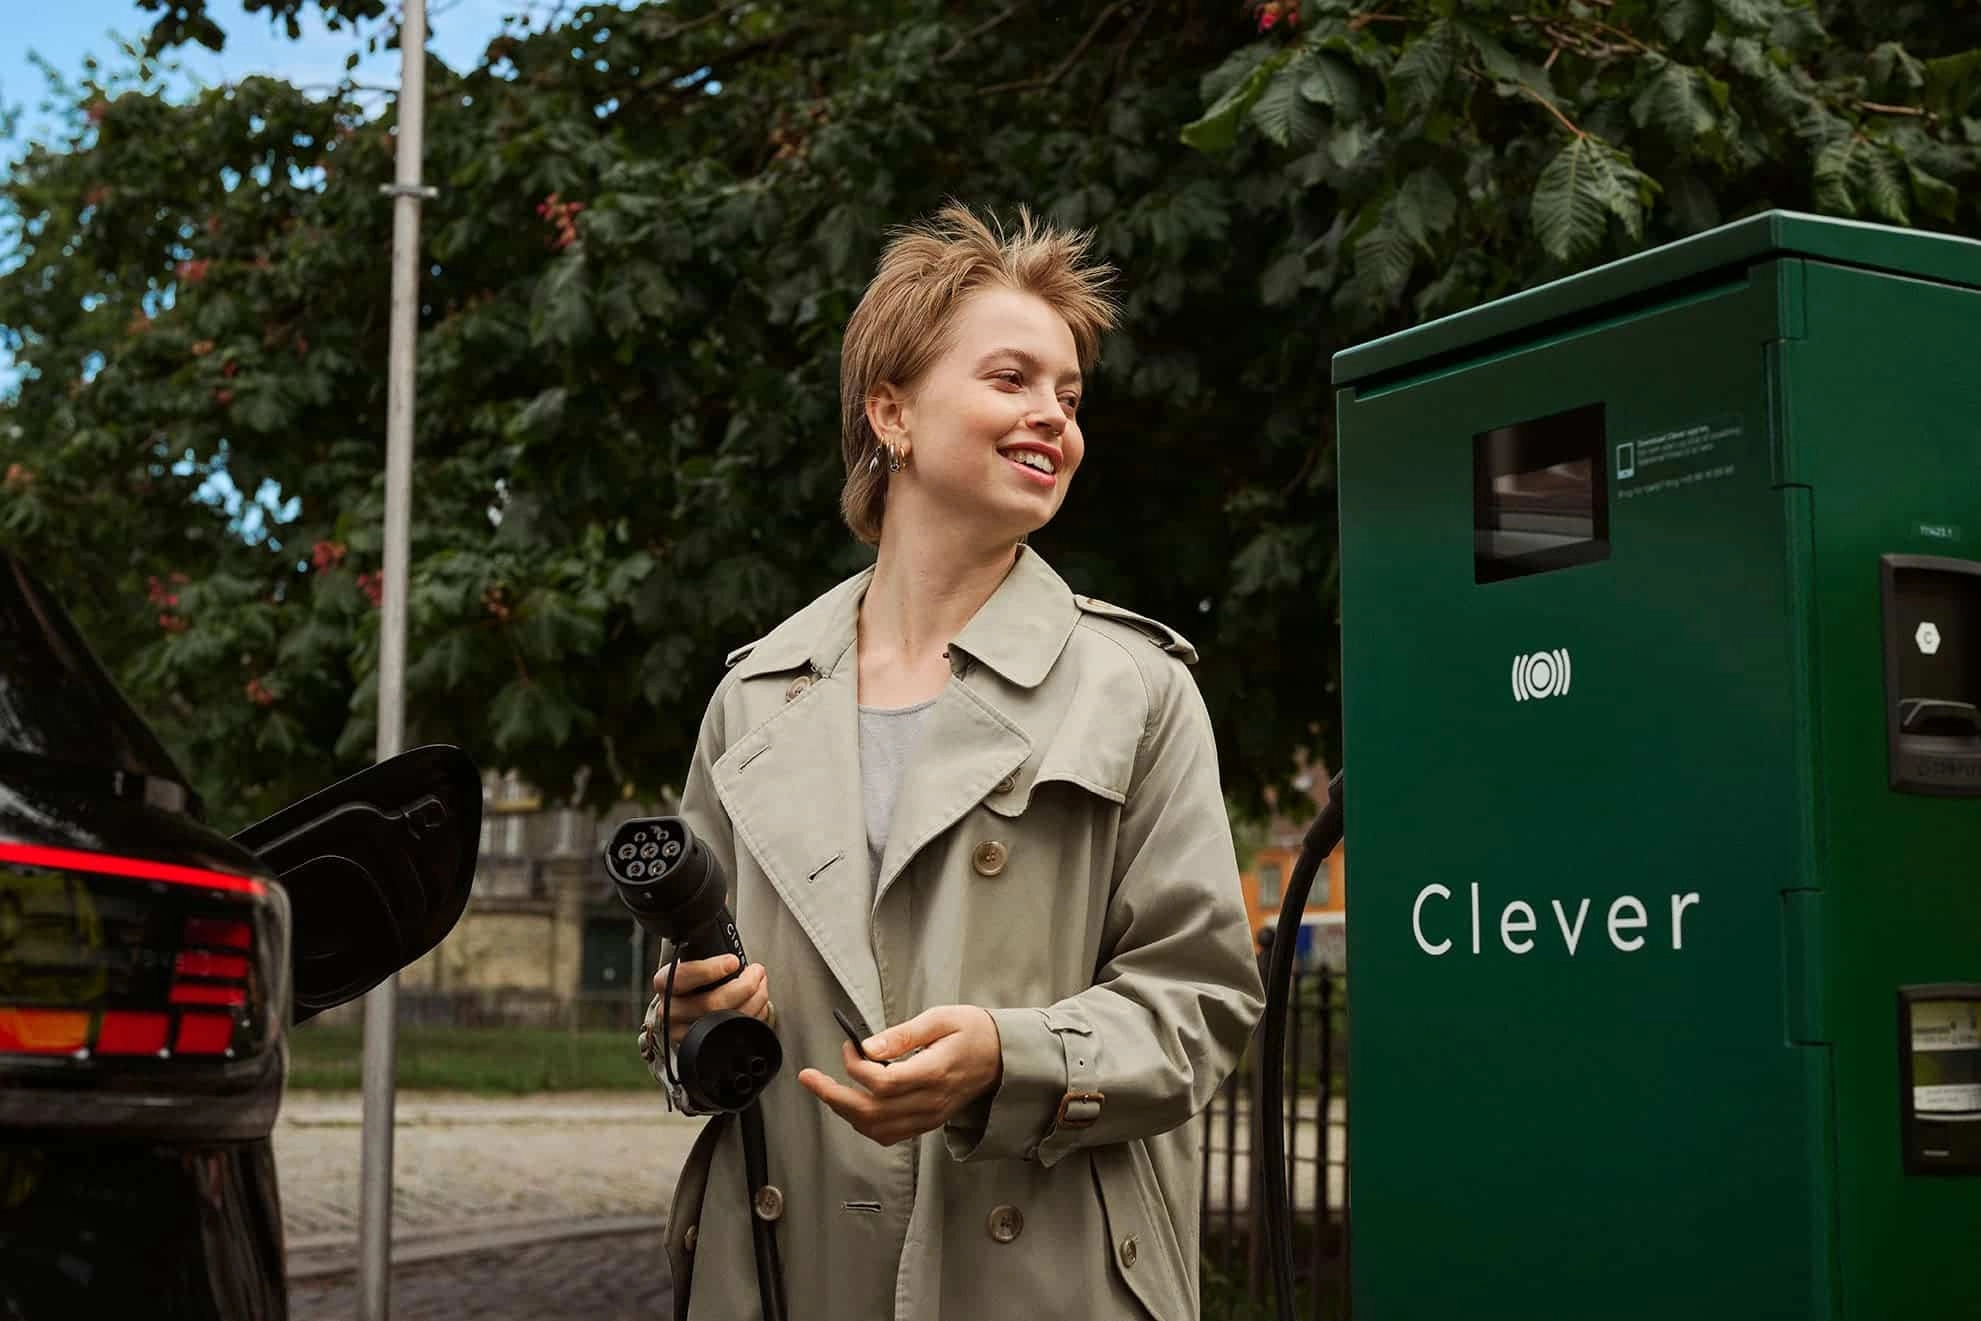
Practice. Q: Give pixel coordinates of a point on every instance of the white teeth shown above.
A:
(1032, 459)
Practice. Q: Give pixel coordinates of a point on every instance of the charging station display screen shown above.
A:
(1540, 500)
(1946, 1057)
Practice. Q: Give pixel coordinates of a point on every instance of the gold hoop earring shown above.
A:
(894, 458)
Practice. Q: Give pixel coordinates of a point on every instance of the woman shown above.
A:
(980, 815)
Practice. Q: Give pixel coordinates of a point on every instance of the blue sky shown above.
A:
(67, 32)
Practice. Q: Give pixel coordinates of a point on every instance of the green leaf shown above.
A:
(1799, 29)
(1216, 129)
(1689, 200)
(1750, 15)
(1686, 20)
(1423, 69)
(541, 416)
(1384, 258)
(1894, 72)
(1285, 115)
(1331, 81)
(1425, 206)
(528, 712)
(1885, 187)
(1234, 70)
(1953, 83)
(1495, 59)
(1586, 184)
(1283, 280)
(1936, 197)
(1839, 172)
(1678, 103)
(561, 311)
(1347, 143)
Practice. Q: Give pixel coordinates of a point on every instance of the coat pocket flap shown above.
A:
(1142, 1243)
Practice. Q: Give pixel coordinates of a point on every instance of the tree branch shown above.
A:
(1127, 44)
(1878, 109)
(1072, 58)
(974, 33)
(1552, 109)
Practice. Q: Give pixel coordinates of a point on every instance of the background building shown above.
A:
(1323, 926)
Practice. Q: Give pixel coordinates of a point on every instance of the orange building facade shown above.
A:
(1323, 925)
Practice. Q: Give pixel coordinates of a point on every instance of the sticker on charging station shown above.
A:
(1946, 1057)
(1673, 460)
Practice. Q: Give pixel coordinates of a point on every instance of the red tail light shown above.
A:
(131, 964)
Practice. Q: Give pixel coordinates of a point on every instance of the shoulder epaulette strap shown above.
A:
(1155, 630)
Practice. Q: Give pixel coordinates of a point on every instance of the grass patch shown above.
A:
(498, 1061)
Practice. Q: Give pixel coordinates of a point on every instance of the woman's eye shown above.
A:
(1009, 378)
(1072, 401)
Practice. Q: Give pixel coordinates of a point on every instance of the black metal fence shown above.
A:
(1236, 1281)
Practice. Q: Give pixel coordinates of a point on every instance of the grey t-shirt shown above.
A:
(887, 740)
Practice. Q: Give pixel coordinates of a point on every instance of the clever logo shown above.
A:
(1541, 674)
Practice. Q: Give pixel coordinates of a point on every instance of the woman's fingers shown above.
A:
(882, 1121)
(749, 994)
(694, 974)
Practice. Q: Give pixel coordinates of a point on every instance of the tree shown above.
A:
(653, 224)
(1442, 153)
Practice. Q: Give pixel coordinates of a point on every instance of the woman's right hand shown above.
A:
(695, 994)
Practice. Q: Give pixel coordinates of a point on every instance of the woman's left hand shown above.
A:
(960, 1058)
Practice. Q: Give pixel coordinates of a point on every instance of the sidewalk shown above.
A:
(523, 1202)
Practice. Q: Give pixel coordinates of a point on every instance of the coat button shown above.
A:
(1007, 784)
(989, 858)
(1129, 1252)
(769, 1203)
(1005, 1223)
(798, 685)
(694, 1232)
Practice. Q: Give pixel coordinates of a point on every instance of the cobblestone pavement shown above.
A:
(615, 1278)
(510, 1180)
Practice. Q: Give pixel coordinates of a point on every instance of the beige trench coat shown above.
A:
(1060, 855)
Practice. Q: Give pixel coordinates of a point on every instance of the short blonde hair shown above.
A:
(902, 323)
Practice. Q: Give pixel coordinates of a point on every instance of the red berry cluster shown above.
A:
(1274, 12)
(161, 594)
(564, 217)
(259, 693)
(373, 586)
(327, 555)
(192, 272)
(19, 477)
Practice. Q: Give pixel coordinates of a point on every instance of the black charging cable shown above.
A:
(677, 890)
(1277, 1208)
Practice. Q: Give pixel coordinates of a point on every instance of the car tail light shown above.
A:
(134, 981)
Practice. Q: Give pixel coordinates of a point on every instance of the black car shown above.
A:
(149, 969)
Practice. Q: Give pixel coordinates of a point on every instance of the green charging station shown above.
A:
(1661, 622)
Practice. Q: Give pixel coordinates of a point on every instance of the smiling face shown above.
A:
(992, 426)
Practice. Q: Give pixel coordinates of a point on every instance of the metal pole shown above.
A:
(375, 1181)
(639, 966)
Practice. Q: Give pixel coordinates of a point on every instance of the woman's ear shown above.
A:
(888, 413)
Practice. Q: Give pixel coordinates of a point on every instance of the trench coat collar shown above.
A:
(800, 813)
(1019, 632)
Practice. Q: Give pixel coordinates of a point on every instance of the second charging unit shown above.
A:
(1661, 619)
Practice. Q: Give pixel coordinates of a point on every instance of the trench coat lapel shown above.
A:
(975, 734)
(965, 747)
(792, 790)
